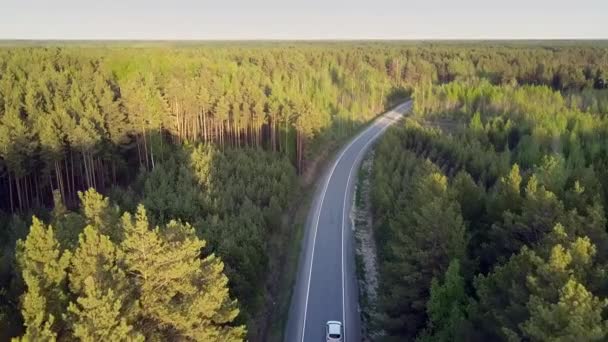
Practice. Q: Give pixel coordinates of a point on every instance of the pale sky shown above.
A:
(303, 19)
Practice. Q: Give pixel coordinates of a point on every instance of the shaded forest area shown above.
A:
(74, 118)
(491, 217)
(215, 135)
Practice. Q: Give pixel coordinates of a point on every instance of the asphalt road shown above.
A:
(326, 285)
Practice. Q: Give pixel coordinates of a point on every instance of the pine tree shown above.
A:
(99, 259)
(43, 266)
(577, 316)
(528, 296)
(98, 315)
(540, 211)
(508, 194)
(182, 295)
(99, 214)
(424, 241)
(446, 307)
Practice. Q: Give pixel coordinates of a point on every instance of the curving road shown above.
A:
(326, 284)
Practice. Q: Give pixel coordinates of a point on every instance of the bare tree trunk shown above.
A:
(73, 176)
(87, 181)
(177, 119)
(30, 191)
(230, 133)
(299, 150)
(10, 192)
(161, 137)
(223, 133)
(113, 172)
(100, 173)
(96, 173)
(286, 137)
(152, 152)
(67, 180)
(143, 130)
(59, 177)
(261, 132)
(204, 125)
(92, 170)
(51, 184)
(19, 196)
(138, 150)
(277, 134)
(37, 184)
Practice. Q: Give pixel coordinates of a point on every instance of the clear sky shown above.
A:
(302, 19)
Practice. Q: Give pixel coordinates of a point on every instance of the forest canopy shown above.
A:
(196, 149)
(490, 218)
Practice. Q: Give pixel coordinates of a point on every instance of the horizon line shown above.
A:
(311, 39)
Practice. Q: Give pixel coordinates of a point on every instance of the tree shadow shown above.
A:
(235, 198)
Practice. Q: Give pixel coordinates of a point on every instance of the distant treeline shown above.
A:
(74, 118)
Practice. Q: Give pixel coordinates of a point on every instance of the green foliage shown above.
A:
(235, 199)
(151, 284)
(527, 295)
(418, 244)
(577, 316)
(72, 118)
(97, 316)
(44, 271)
(186, 297)
(210, 134)
(446, 307)
(525, 165)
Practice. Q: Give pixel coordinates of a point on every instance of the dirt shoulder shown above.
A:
(366, 251)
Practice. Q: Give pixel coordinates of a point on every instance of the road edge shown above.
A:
(312, 206)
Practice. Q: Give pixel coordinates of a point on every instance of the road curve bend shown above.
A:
(326, 284)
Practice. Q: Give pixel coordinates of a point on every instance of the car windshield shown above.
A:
(334, 335)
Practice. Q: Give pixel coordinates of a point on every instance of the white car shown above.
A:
(334, 331)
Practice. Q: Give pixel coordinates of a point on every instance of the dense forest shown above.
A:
(194, 150)
(490, 220)
(209, 136)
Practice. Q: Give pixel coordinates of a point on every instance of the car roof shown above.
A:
(334, 327)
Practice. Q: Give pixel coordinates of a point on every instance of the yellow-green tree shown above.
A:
(154, 284)
(43, 265)
(181, 295)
